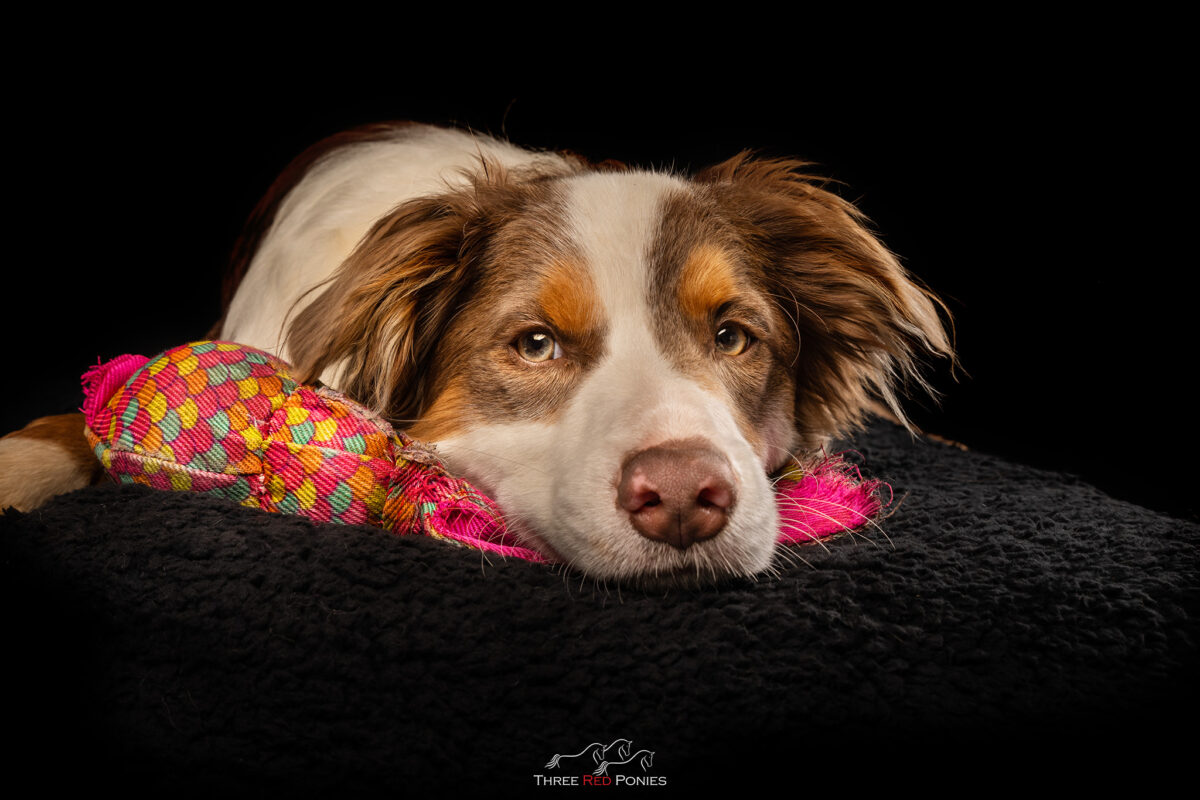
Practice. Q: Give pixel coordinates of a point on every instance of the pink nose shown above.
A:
(679, 492)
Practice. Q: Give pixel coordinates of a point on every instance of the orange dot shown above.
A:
(311, 458)
(239, 416)
(152, 441)
(146, 392)
(196, 381)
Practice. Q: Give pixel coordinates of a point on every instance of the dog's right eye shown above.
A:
(538, 346)
(732, 339)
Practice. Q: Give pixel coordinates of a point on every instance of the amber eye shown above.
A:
(732, 339)
(538, 346)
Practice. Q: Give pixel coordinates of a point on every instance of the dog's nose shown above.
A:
(679, 492)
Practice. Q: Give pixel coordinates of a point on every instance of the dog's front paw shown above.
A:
(49, 456)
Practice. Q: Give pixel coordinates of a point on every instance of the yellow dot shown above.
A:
(324, 430)
(375, 500)
(247, 387)
(306, 494)
(296, 415)
(157, 407)
(181, 481)
(188, 365)
(188, 414)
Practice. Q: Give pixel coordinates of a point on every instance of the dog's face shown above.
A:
(621, 358)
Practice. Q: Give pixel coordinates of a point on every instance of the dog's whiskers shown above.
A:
(843, 527)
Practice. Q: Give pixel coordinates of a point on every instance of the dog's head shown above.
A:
(621, 358)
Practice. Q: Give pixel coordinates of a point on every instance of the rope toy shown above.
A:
(229, 420)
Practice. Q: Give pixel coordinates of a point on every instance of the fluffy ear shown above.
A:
(863, 322)
(378, 321)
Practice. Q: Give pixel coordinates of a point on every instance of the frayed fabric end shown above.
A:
(102, 381)
(827, 497)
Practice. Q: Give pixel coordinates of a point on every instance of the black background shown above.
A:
(1040, 186)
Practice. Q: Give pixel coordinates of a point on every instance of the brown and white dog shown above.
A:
(619, 357)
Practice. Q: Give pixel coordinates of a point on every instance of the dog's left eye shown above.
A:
(732, 339)
(538, 346)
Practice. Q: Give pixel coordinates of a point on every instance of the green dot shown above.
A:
(302, 432)
(128, 416)
(217, 374)
(212, 460)
(170, 425)
(218, 423)
(241, 370)
(288, 504)
(341, 498)
(237, 491)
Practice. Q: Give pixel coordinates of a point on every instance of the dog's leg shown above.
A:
(47, 457)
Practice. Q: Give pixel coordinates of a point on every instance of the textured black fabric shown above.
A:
(1014, 627)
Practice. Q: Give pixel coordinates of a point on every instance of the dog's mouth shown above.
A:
(610, 546)
(813, 500)
(586, 520)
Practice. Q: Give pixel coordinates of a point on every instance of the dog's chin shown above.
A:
(605, 548)
(658, 565)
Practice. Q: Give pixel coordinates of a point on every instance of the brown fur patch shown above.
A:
(568, 299)
(66, 431)
(449, 414)
(706, 282)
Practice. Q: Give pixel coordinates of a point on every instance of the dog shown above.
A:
(619, 357)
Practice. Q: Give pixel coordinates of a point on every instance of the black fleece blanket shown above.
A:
(1012, 625)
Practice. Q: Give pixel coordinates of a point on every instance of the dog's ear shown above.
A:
(862, 320)
(377, 322)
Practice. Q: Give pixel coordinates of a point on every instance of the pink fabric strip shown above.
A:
(102, 380)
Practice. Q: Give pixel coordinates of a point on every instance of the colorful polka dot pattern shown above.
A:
(231, 421)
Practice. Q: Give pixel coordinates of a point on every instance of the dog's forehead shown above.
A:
(653, 245)
(614, 221)
(637, 254)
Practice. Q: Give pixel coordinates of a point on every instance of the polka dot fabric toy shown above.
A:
(231, 421)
